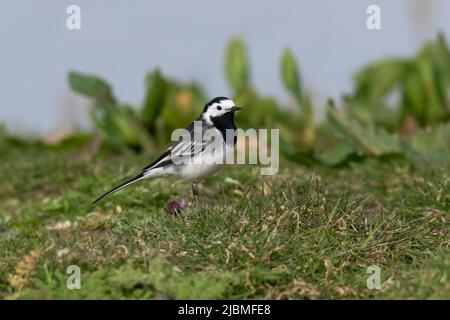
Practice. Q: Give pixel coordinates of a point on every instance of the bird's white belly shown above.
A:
(198, 171)
(204, 166)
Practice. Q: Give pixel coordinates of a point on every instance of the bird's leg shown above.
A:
(195, 193)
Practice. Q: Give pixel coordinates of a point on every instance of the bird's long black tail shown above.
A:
(120, 186)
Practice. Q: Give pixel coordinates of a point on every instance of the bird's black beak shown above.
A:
(235, 108)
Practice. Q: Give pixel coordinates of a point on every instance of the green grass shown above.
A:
(310, 234)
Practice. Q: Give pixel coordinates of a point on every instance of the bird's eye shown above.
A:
(219, 108)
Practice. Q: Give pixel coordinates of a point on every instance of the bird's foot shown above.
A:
(198, 207)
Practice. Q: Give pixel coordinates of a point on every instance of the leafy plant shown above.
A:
(166, 106)
(157, 89)
(357, 139)
(360, 140)
(237, 70)
(392, 99)
(292, 82)
(392, 90)
(259, 111)
(296, 127)
(118, 124)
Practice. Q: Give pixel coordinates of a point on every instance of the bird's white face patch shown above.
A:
(217, 109)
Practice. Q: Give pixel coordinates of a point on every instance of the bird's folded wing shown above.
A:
(178, 151)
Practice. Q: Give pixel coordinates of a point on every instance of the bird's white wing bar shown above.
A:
(180, 150)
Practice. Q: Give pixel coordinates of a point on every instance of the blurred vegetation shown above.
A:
(400, 93)
(395, 105)
(166, 107)
(399, 107)
(170, 104)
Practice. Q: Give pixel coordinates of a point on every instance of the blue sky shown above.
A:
(122, 40)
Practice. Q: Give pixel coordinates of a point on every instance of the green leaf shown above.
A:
(429, 147)
(90, 86)
(290, 75)
(422, 81)
(365, 140)
(119, 125)
(236, 65)
(426, 142)
(432, 108)
(413, 98)
(335, 155)
(376, 80)
(157, 89)
(127, 127)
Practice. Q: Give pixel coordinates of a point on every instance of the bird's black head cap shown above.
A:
(215, 100)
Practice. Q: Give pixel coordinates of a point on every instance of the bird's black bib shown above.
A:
(225, 122)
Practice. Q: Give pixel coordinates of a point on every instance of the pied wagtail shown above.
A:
(217, 117)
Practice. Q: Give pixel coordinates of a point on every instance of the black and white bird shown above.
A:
(205, 155)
